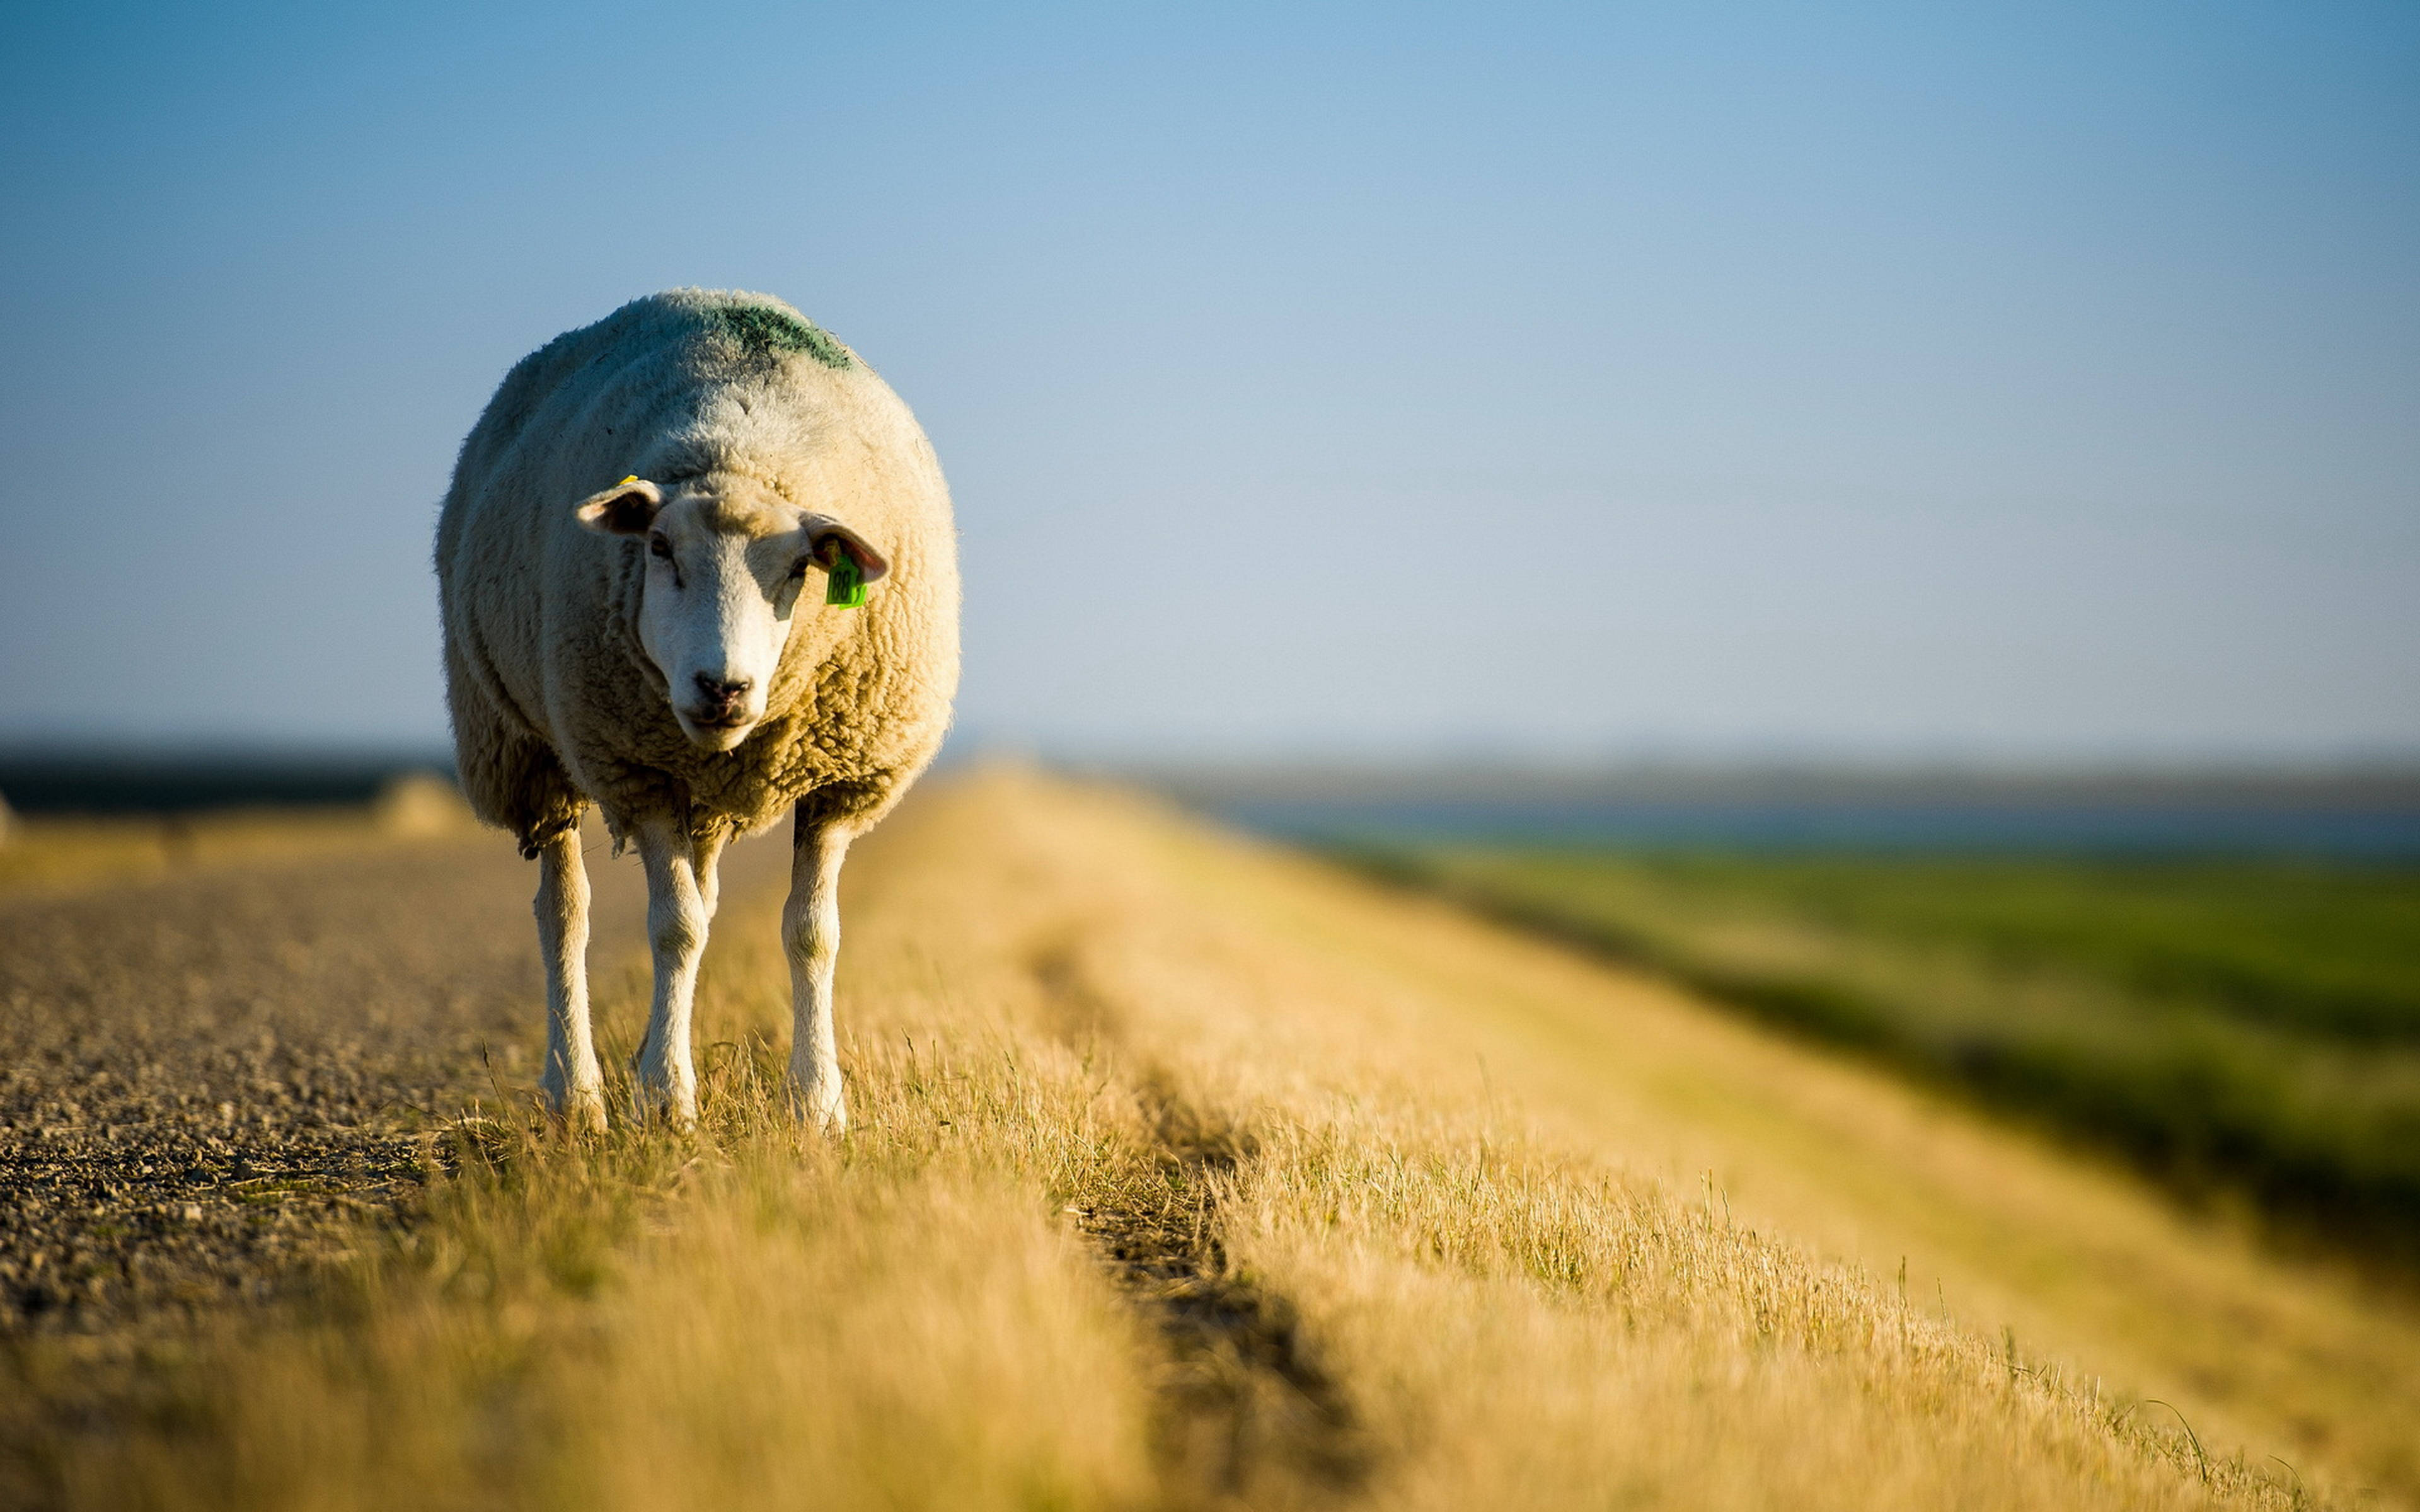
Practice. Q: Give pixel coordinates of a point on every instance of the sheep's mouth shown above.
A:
(718, 731)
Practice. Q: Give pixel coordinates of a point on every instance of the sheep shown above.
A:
(659, 647)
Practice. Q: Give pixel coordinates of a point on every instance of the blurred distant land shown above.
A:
(2351, 812)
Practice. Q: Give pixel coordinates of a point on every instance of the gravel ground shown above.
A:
(203, 1075)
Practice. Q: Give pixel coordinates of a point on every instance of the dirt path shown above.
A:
(202, 1073)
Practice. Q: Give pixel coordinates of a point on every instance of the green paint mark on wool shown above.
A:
(760, 328)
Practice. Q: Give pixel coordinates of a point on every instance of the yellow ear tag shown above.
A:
(626, 482)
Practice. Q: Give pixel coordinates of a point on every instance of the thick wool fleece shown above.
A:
(555, 705)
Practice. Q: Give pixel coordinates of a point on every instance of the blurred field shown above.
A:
(66, 851)
(1185, 1173)
(2239, 1029)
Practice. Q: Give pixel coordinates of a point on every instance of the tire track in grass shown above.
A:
(1249, 1412)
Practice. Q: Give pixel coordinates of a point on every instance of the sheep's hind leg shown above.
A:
(574, 1088)
(811, 937)
(677, 924)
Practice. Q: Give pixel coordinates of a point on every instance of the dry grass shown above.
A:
(2087, 1265)
(1174, 1181)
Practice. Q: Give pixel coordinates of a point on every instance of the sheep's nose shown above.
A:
(723, 691)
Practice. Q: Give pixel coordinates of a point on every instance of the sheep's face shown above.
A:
(725, 579)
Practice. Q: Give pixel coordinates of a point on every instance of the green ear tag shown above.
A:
(843, 581)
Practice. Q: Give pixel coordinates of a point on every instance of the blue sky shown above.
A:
(2023, 382)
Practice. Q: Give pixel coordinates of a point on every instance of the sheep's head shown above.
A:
(727, 569)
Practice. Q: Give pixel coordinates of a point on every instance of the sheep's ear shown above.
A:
(627, 508)
(832, 540)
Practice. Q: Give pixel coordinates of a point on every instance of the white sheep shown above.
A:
(679, 647)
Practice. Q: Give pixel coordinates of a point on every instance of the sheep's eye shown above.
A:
(660, 548)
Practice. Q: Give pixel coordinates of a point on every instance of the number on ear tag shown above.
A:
(844, 581)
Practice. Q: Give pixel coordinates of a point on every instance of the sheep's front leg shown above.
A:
(677, 921)
(575, 1089)
(709, 863)
(811, 936)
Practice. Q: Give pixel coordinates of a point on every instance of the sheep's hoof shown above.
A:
(675, 1113)
(583, 1114)
(667, 1107)
(818, 1104)
(581, 1110)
